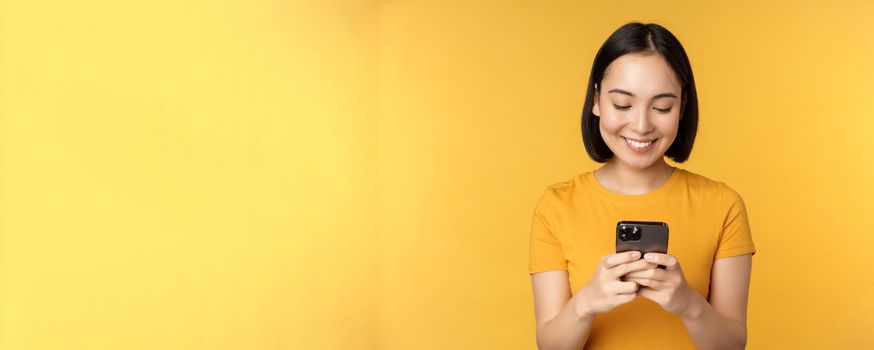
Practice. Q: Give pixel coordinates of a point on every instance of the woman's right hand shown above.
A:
(606, 291)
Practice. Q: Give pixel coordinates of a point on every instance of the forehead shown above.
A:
(641, 74)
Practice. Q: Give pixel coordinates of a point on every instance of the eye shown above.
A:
(621, 108)
(666, 110)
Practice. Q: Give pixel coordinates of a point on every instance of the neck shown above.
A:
(619, 177)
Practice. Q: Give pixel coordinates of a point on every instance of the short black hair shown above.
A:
(637, 37)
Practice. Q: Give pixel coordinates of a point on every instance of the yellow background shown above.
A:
(362, 174)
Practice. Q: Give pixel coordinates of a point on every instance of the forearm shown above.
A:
(710, 330)
(569, 329)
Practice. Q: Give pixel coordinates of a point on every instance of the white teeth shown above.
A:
(638, 144)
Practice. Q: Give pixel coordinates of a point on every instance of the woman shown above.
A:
(641, 105)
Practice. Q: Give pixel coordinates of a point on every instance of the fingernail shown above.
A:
(648, 257)
(635, 255)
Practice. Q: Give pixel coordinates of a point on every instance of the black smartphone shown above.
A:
(642, 236)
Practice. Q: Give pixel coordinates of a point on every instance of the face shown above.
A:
(638, 103)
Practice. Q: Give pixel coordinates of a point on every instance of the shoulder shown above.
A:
(560, 194)
(711, 189)
(701, 183)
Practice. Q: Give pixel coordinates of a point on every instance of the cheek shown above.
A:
(668, 126)
(610, 125)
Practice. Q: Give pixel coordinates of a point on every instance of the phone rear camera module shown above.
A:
(629, 233)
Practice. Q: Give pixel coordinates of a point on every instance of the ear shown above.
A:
(596, 109)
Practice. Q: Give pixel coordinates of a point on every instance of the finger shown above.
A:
(651, 273)
(668, 261)
(624, 298)
(620, 258)
(661, 275)
(622, 269)
(645, 273)
(647, 283)
(625, 287)
(648, 293)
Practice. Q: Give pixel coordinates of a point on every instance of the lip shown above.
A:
(638, 140)
(639, 150)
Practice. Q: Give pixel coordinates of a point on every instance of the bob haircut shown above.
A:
(637, 37)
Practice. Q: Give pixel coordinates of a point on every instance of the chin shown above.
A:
(638, 165)
(636, 162)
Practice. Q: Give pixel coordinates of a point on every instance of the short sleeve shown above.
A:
(545, 247)
(736, 238)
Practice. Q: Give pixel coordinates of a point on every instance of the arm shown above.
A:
(721, 323)
(562, 321)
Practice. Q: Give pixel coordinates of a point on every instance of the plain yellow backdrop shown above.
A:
(362, 174)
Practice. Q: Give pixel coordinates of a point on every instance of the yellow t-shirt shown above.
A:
(574, 225)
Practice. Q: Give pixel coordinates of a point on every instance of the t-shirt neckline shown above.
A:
(648, 197)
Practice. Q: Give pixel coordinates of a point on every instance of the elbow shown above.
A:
(543, 339)
(542, 344)
(742, 344)
(540, 337)
(549, 339)
(742, 336)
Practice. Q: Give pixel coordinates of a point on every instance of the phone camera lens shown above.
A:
(629, 233)
(625, 234)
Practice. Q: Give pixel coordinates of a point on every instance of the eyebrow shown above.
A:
(664, 94)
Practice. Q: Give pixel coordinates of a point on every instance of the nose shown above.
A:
(640, 122)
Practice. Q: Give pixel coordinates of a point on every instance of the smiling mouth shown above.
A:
(638, 143)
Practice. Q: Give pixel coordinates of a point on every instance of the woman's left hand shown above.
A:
(667, 287)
